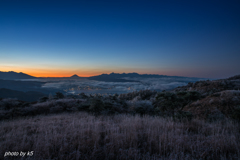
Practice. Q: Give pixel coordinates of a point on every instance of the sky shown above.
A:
(199, 38)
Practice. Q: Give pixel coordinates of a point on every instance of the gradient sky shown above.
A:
(196, 38)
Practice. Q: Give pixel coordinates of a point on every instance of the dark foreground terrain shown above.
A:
(84, 136)
(197, 121)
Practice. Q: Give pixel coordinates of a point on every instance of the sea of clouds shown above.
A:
(76, 86)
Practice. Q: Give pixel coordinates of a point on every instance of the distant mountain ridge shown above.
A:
(112, 77)
(14, 75)
(117, 77)
(135, 75)
(130, 75)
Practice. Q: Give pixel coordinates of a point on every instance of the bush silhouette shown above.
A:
(96, 106)
(43, 99)
(59, 95)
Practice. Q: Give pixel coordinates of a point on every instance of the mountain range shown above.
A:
(14, 75)
(112, 77)
(29, 88)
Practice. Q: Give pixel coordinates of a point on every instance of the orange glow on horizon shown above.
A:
(83, 73)
(88, 72)
(52, 73)
(57, 74)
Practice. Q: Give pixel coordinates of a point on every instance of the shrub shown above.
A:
(83, 107)
(192, 96)
(43, 99)
(183, 115)
(9, 103)
(143, 94)
(141, 107)
(56, 109)
(96, 105)
(172, 103)
(59, 95)
(236, 114)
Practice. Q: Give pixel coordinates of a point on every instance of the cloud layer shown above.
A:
(91, 86)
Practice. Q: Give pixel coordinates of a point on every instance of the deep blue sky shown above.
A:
(59, 38)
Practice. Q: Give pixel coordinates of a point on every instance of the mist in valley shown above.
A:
(91, 86)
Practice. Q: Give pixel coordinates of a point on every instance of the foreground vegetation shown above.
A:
(197, 121)
(178, 105)
(85, 136)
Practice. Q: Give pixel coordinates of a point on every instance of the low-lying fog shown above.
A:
(76, 86)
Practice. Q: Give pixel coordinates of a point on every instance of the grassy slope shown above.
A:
(83, 136)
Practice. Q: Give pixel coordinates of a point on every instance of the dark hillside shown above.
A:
(218, 99)
(210, 87)
(29, 96)
(15, 75)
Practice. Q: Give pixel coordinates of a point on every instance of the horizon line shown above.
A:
(106, 74)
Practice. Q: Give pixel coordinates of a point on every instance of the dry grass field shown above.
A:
(84, 136)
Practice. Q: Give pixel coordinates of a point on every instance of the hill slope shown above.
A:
(24, 96)
(220, 98)
(15, 75)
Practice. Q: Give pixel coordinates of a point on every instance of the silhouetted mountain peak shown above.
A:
(75, 76)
